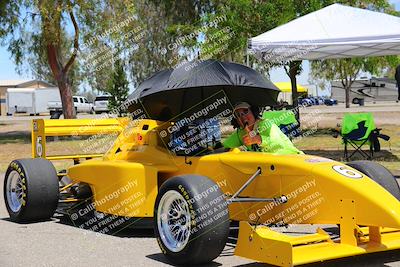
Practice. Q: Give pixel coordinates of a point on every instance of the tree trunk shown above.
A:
(60, 75)
(294, 68)
(60, 72)
(66, 98)
(347, 90)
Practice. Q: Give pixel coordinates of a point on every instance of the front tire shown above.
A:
(191, 220)
(379, 174)
(31, 190)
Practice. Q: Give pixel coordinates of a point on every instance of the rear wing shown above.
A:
(75, 127)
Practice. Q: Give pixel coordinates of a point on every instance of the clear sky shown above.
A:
(7, 66)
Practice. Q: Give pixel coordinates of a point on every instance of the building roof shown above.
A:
(22, 83)
(12, 82)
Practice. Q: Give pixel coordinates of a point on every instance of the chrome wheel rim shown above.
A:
(15, 191)
(173, 221)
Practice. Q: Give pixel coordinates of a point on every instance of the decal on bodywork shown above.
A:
(346, 171)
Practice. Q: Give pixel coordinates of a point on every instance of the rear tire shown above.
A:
(191, 220)
(379, 174)
(31, 190)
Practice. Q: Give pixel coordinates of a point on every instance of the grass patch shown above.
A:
(322, 143)
(15, 138)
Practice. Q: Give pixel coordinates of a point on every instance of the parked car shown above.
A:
(81, 105)
(314, 100)
(305, 102)
(330, 101)
(101, 104)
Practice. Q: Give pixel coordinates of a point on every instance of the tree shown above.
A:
(38, 63)
(118, 87)
(245, 19)
(51, 15)
(292, 69)
(237, 21)
(37, 30)
(161, 25)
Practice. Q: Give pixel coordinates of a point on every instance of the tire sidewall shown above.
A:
(189, 192)
(41, 191)
(19, 168)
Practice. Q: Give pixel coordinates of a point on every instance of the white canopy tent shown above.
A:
(336, 31)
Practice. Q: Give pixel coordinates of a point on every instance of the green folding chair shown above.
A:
(359, 130)
(285, 120)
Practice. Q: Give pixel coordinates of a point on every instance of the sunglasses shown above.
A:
(243, 113)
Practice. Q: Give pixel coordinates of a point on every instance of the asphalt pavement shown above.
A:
(57, 243)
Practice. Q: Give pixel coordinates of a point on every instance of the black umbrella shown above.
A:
(194, 86)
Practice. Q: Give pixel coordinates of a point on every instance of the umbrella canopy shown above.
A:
(286, 87)
(195, 86)
(336, 31)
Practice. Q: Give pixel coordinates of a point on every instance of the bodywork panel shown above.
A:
(119, 187)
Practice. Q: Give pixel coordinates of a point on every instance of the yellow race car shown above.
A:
(193, 199)
(192, 195)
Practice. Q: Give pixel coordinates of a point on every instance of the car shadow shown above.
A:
(228, 251)
(130, 229)
(159, 257)
(7, 219)
(384, 259)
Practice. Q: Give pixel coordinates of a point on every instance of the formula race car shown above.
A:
(193, 194)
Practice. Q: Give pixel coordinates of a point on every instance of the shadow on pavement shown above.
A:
(159, 257)
(129, 229)
(375, 259)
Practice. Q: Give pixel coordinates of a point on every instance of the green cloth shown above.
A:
(351, 123)
(280, 117)
(273, 140)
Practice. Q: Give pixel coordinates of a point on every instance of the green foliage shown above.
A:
(161, 23)
(118, 87)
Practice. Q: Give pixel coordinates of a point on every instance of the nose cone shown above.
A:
(377, 207)
(368, 201)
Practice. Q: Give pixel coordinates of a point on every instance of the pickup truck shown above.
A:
(81, 105)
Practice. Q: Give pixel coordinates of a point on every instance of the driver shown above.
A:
(257, 134)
